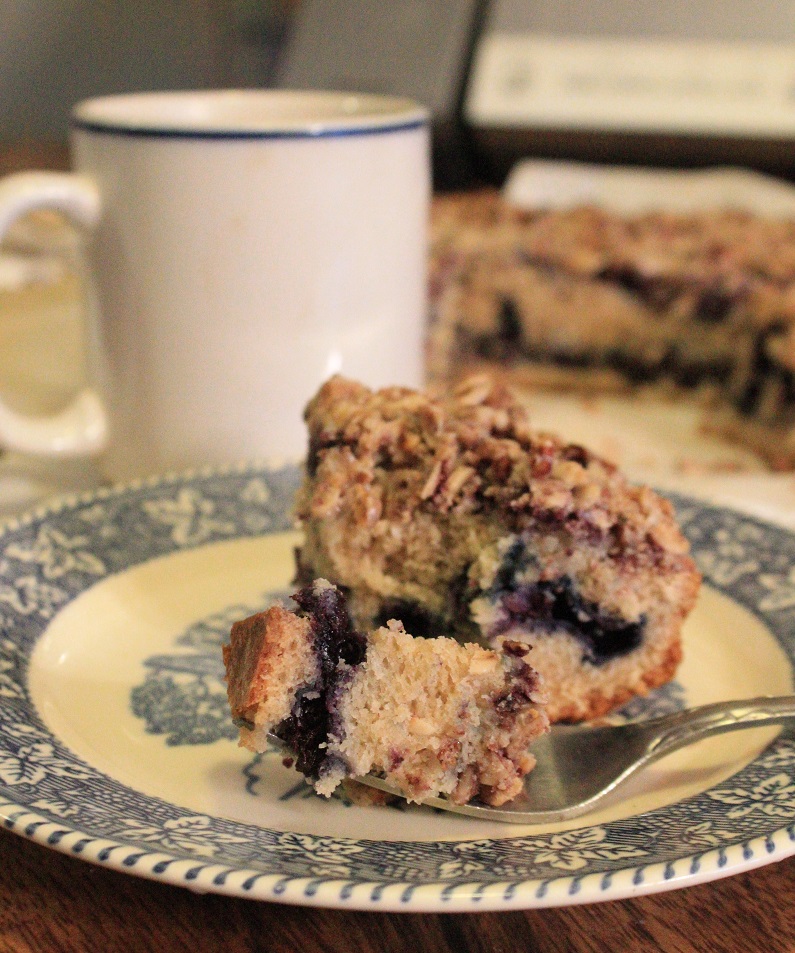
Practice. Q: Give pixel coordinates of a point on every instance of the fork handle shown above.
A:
(681, 728)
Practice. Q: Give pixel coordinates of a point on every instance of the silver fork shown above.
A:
(578, 766)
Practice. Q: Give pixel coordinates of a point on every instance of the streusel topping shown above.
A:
(395, 451)
(715, 262)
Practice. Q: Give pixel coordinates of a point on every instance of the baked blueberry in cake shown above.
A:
(430, 715)
(586, 298)
(452, 515)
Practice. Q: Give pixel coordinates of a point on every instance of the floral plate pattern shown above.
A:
(52, 791)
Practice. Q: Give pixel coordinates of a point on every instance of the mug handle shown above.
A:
(81, 428)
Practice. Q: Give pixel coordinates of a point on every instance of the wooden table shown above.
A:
(50, 902)
(23, 155)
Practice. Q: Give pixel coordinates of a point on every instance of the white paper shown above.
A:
(538, 183)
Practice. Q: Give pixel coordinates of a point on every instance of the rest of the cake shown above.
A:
(586, 298)
(452, 515)
(431, 716)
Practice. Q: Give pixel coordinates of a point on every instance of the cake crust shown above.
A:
(267, 660)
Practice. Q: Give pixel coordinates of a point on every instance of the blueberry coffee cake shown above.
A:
(452, 515)
(430, 715)
(589, 298)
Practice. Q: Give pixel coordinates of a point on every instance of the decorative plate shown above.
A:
(116, 745)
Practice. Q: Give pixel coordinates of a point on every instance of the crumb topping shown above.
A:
(711, 263)
(386, 454)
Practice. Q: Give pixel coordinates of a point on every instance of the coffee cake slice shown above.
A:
(588, 299)
(431, 716)
(453, 515)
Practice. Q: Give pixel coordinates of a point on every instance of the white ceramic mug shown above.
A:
(243, 246)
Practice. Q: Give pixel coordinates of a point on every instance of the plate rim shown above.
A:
(461, 895)
(405, 896)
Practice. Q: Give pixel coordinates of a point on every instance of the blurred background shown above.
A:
(666, 83)
(651, 81)
(53, 54)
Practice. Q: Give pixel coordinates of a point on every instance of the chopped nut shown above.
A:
(429, 487)
(553, 497)
(467, 786)
(668, 537)
(600, 518)
(481, 663)
(327, 499)
(648, 500)
(474, 390)
(458, 478)
(411, 401)
(500, 420)
(571, 472)
(588, 494)
(422, 726)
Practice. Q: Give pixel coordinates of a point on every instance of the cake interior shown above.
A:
(432, 716)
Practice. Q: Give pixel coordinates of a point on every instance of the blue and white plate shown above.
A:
(116, 744)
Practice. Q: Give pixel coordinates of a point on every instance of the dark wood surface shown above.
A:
(50, 902)
(24, 155)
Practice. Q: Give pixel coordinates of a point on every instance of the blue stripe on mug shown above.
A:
(227, 134)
